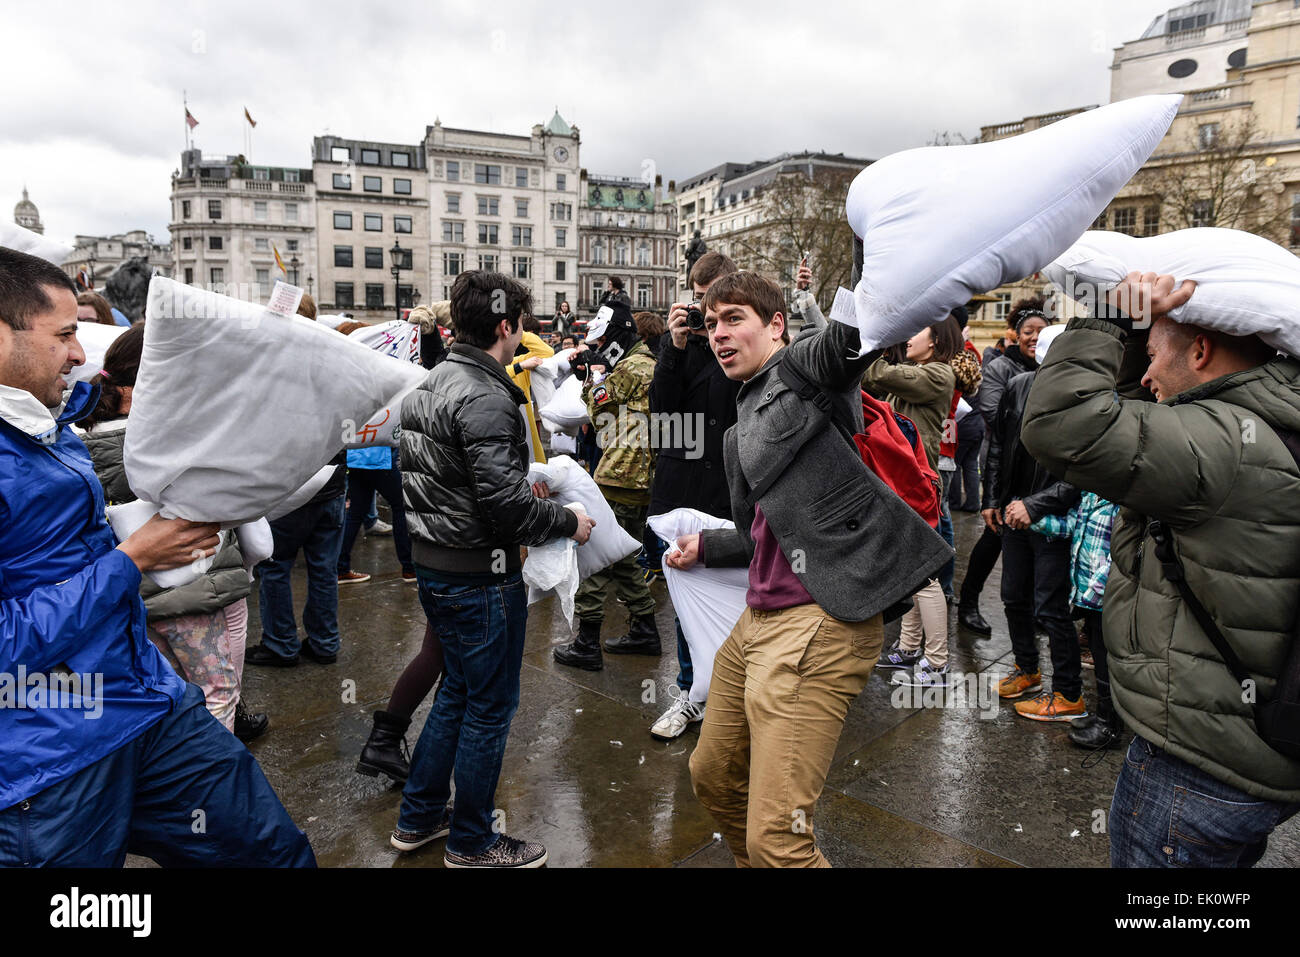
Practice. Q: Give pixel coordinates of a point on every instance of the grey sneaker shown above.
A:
(380, 528)
(924, 675)
(410, 840)
(506, 852)
(896, 658)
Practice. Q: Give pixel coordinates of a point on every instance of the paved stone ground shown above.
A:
(909, 787)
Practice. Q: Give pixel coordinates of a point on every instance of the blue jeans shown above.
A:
(685, 671)
(363, 486)
(317, 531)
(481, 628)
(1166, 813)
(145, 798)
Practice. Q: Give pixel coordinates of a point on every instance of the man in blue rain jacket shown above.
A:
(105, 749)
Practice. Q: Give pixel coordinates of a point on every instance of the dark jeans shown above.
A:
(1097, 645)
(1167, 813)
(317, 530)
(363, 484)
(967, 476)
(945, 530)
(1036, 584)
(481, 628)
(144, 798)
(979, 566)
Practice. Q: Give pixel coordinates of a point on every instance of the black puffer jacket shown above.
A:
(690, 383)
(1012, 473)
(997, 372)
(464, 447)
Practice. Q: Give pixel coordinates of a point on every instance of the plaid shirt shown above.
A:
(1088, 526)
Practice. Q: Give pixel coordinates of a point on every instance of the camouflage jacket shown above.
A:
(620, 413)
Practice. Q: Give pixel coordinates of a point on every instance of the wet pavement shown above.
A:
(947, 787)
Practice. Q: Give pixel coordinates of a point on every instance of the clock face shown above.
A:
(561, 154)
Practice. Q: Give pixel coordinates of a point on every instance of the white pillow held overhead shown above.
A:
(1245, 284)
(941, 224)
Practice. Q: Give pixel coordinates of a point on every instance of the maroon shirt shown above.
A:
(773, 584)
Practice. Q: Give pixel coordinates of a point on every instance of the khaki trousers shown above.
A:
(929, 616)
(782, 684)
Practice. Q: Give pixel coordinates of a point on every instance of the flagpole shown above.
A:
(185, 100)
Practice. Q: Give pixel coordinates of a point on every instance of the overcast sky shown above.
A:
(91, 116)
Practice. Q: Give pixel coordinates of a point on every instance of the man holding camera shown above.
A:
(689, 382)
(617, 393)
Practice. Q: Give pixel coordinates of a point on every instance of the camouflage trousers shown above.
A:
(625, 575)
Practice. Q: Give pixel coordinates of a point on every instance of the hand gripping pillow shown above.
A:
(708, 601)
(1245, 284)
(941, 224)
(236, 407)
(15, 237)
(569, 482)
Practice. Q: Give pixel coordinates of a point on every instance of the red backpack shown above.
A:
(889, 445)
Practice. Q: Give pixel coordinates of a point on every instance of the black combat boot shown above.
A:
(584, 651)
(968, 614)
(1102, 730)
(249, 726)
(384, 749)
(642, 638)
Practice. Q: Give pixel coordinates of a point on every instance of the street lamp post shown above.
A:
(309, 292)
(293, 265)
(397, 255)
(91, 276)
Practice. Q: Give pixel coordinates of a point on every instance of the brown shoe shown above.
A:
(1019, 683)
(353, 578)
(1051, 706)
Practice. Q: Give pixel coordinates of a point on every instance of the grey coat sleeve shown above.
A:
(724, 548)
(829, 357)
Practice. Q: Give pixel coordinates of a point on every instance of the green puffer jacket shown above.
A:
(223, 584)
(1208, 463)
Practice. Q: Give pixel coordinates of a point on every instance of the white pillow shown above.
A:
(569, 482)
(1245, 284)
(396, 338)
(708, 601)
(941, 224)
(1045, 340)
(236, 407)
(13, 236)
(565, 410)
(94, 340)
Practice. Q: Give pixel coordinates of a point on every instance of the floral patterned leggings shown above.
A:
(208, 650)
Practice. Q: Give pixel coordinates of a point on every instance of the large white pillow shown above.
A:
(569, 483)
(236, 407)
(708, 601)
(13, 236)
(1245, 284)
(565, 410)
(941, 224)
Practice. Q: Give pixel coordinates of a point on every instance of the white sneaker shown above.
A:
(673, 722)
(380, 528)
(924, 675)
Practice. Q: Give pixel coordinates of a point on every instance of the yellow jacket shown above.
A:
(533, 346)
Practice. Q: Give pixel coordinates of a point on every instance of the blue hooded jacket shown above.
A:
(69, 605)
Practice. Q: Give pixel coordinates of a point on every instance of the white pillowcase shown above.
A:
(236, 407)
(1245, 284)
(569, 482)
(708, 601)
(941, 224)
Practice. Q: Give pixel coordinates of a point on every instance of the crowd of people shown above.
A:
(1072, 462)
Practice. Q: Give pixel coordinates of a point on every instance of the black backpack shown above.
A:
(1278, 720)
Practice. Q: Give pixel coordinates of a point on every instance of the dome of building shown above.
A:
(27, 215)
